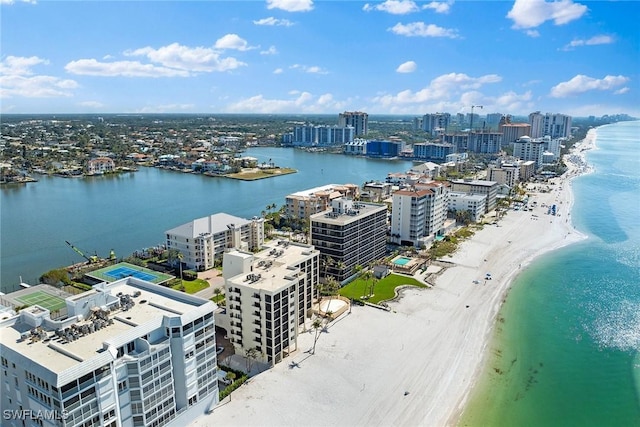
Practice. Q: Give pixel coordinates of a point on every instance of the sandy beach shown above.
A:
(416, 364)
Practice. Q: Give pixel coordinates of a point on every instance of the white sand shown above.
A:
(430, 346)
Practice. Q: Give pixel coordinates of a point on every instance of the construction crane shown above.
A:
(91, 259)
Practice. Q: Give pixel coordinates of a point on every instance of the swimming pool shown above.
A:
(401, 261)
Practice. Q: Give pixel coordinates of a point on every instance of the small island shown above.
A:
(252, 174)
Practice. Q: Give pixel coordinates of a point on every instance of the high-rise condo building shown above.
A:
(128, 353)
(436, 124)
(349, 234)
(418, 214)
(475, 186)
(202, 242)
(553, 125)
(269, 296)
(357, 119)
(511, 132)
(527, 149)
(303, 204)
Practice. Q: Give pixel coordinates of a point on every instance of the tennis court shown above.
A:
(43, 299)
(121, 272)
(123, 269)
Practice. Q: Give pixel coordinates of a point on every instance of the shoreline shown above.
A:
(418, 363)
(577, 166)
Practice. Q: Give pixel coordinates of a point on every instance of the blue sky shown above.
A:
(303, 56)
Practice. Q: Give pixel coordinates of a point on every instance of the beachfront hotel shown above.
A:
(269, 295)
(202, 242)
(303, 204)
(128, 353)
(350, 233)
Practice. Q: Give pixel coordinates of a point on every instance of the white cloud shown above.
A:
(622, 91)
(278, 71)
(581, 83)
(9, 2)
(291, 5)
(593, 41)
(532, 33)
(442, 88)
(301, 102)
(312, 69)
(532, 13)
(36, 87)
(420, 29)
(407, 67)
(18, 79)
(232, 41)
(184, 58)
(271, 51)
(439, 6)
(394, 7)
(91, 67)
(274, 22)
(20, 65)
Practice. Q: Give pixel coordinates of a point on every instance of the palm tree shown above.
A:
(331, 287)
(231, 376)
(341, 266)
(250, 358)
(366, 275)
(317, 327)
(217, 292)
(327, 263)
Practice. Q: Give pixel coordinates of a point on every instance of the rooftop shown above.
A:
(272, 268)
(213, 224)
(95, 317)
(474, 182)
(350, 211)
(324, 188)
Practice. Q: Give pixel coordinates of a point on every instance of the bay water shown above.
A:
(565, 349)
(132, 211)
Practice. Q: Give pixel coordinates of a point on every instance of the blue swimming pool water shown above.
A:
(402, 261)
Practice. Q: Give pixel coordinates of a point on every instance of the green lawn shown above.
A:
(217, 298)
(384, 289)
(191, 286)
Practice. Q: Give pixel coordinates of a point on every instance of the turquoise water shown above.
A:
(565, 350)
(401, 261)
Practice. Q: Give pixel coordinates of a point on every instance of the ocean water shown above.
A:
(566, 347)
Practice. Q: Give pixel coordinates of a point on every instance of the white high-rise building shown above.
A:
(436, 124)
(357, 119)
(476, 186)
(418, 214)
(527, 149)
(553, 125)
(129, 353)
(269, 296)
(202, 242)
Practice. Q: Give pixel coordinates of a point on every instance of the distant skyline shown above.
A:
(320, 57)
